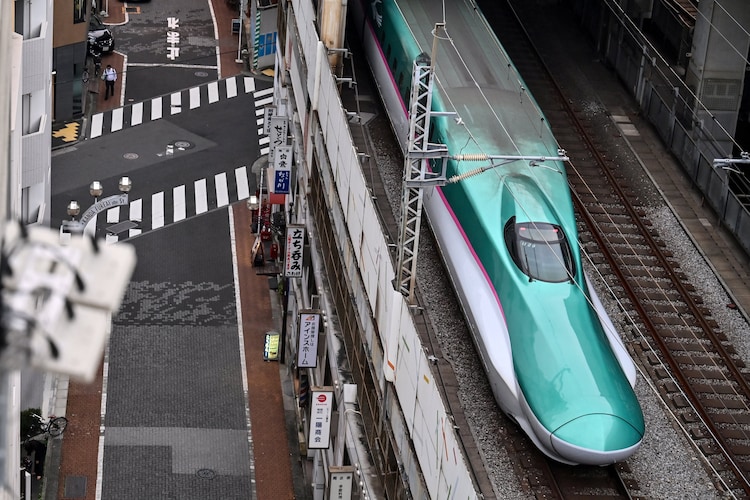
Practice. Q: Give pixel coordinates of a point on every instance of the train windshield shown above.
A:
(540, 250)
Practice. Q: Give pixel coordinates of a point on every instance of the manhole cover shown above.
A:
(183, 144)
(206, 473)
(201, 74)
(130, 156)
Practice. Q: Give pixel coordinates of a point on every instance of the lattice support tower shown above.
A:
(417, 173)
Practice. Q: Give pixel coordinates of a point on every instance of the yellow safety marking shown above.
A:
(68, 133)
(426, 378)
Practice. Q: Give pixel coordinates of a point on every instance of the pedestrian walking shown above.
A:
(110, 77)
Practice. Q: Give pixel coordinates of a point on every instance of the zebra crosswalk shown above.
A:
(181, 202)
(185, 200)
(135, 114)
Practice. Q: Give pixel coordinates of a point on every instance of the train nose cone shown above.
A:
(596, 439)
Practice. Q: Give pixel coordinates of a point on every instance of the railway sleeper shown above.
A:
(684, 343)
(696, 373)
(715, 403)
(741, 418)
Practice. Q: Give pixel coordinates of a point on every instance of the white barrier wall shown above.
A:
(437, 457)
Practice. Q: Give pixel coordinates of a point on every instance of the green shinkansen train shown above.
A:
(508, 236)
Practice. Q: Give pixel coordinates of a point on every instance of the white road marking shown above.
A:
(116, 119)
(201, 201)
(113, 215)
(97, 122)
(195, 97)
(222, 193)
(178, 194)
(157, 210)
(176, 103)
(136, 214)
(136, 117)
(213, 92)
(156, 108)
(231, 88)
(243, 187)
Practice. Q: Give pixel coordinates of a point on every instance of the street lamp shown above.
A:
(96, 190)
(73, 209)
(125, 184)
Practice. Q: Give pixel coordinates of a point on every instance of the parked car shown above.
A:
(100, 39)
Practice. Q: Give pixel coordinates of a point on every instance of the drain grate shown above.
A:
(130, 156)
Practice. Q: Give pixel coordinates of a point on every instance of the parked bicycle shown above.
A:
(52, 427)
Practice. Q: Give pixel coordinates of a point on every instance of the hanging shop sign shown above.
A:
(321, 408)
(307, 348)
(282, 169)
(268, 112)
(277, 134)
(340, 481)
(294, 250)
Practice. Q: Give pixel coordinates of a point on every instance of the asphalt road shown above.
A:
(169, 46)
(218, 138)
(174, 390)
(174, 395)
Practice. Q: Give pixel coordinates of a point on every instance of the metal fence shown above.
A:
(670, 105)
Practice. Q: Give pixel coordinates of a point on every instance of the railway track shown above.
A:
(682, 348)
(679, 347)
(543, 478)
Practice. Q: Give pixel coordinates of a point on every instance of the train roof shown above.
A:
(474, 74)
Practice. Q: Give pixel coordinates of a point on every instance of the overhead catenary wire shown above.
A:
(723, 37)
(629, 25)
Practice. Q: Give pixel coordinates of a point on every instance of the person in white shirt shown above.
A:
(110, 77)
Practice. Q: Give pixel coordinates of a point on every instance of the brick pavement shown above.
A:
(271, 451)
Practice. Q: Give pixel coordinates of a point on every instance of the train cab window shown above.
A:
(540, 250)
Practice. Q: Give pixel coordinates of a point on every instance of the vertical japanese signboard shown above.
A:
(294, 250)
(321, 408)
(282, 169)
(340, 482)
(268, 112)
(307, 349)
(277, 134)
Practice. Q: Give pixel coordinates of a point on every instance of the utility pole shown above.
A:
(243, 7)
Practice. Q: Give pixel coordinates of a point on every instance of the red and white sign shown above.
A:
(320, 419)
